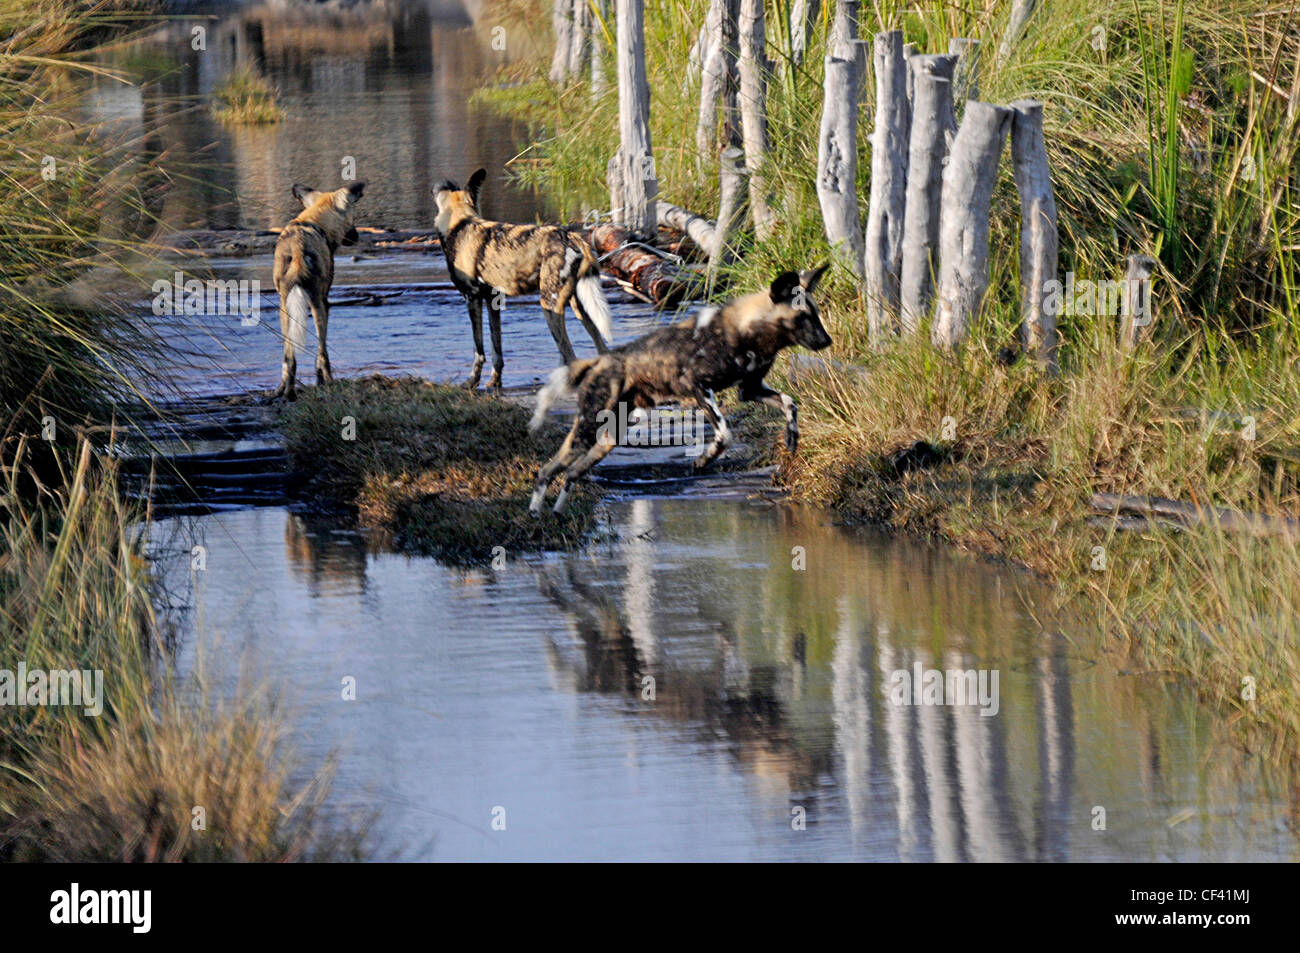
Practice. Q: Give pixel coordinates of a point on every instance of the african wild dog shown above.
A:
(705, 353)
(490, 260)
(304, 271)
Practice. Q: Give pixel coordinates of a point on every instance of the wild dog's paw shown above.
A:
(792, 439)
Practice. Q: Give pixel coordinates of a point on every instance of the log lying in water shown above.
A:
(1233, 521)
(640, 269)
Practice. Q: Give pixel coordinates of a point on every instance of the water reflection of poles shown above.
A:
(639, 560)
(1055, 707)
(982, 774)
(852, 707)
(904, 767)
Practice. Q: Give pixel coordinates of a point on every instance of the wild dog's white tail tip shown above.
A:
(593, 302)
(298, 307)
(556, 388)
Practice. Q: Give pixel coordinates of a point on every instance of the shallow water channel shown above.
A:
(680, 691)
(712, 678)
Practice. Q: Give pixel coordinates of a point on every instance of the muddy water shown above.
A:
(682, 692)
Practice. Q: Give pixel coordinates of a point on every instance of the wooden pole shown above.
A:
(843, 42)
(934, 122)
(719, 81)
(837, 163)
(636, 180)
(1136, 318)
(968, 182)
(579, 38)
(803, 17)
(1021, 11)
(1038, 233)
(731, 208)
(598, 23)
(753, 71)
(883, 259)
(562, 26)
(966, 77)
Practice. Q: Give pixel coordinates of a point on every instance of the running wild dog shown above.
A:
(489, 261)
(304, 271)
(695, 358)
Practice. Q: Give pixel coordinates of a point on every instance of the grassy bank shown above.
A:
(1172, 131)
(168, 769)
(449, 473)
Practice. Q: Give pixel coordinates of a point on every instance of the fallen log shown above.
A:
(644, 271)
(697, 228)
(1189, 514)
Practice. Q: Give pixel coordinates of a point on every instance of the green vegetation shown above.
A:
(447, 471)
(1172, 131)
(76, 590)
(245, 98)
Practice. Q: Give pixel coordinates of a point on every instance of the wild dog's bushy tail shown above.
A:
(563, 382)
(298, 307)
(592, 299)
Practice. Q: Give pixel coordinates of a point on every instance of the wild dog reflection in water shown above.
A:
(726, 697)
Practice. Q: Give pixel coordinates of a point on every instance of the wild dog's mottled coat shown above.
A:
(694, 358)
(491, 260)
(304, 272)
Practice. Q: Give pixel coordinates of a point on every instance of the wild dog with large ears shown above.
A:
(489, 261)
(734, 345)
(304, 272)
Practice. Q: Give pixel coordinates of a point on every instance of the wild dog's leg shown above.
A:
(598, 437)
(498, 359)
(320, 312)
(475, 305)
(289, 369)
(555, 321)
(577, 471)
(757, 390)
(567, 453)
(721, 434)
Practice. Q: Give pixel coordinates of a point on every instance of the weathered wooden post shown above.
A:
(1136, 318)
(966, 77)
(579, 38)
(843, 41)
(634, 174)
(883, 259)
(753, 71)
(562, 26)
(1038, 234)
(803, 17)
(934, 121)
(731, 208)
(968, 182)
(598, 21)
(837, 163)
(909, 50)
(719, 79)
(1021, 11)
